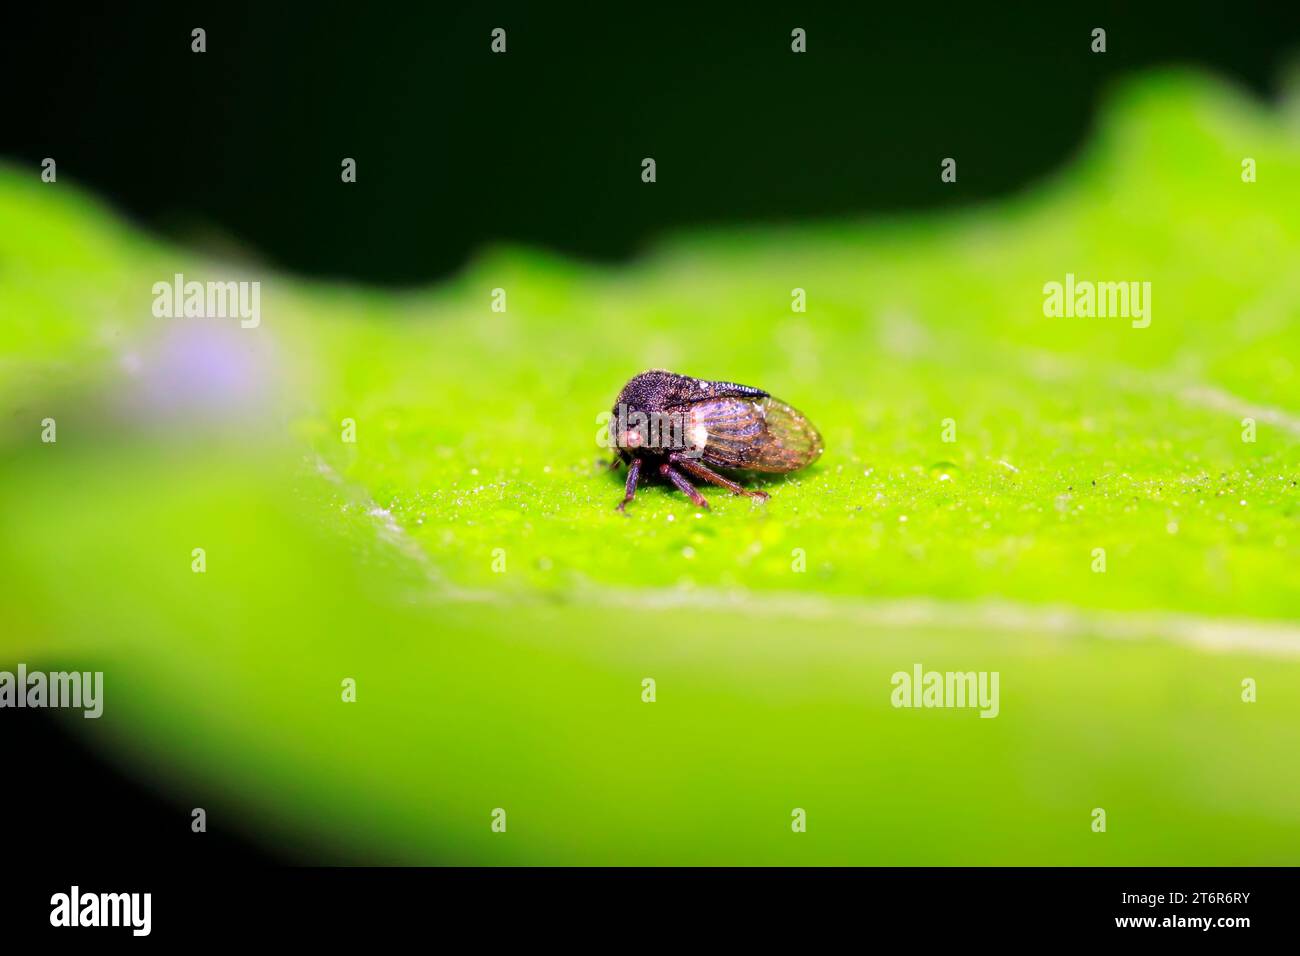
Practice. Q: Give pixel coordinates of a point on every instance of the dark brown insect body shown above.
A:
(679, 426)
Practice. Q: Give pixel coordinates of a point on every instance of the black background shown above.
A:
(238, 149)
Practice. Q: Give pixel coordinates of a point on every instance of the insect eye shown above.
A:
(631, 438)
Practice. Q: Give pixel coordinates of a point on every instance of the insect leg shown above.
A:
(684, 486)
(701, 470)
(633, 473)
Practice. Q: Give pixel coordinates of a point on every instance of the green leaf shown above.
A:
(463, 563)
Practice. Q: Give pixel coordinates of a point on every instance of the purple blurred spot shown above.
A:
(200, 369)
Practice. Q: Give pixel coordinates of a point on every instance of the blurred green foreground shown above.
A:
(520, 687)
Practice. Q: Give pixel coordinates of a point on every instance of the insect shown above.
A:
(676, 426)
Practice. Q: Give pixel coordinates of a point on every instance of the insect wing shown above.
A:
(763, 434)
(726, 429)
(790, 441)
